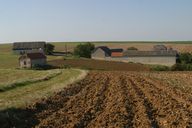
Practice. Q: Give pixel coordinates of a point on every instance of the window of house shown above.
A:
(24, 62)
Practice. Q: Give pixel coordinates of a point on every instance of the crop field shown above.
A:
(180, 46)
(112, 94)
(117, 99)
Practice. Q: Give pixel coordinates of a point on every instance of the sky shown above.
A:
(95, 20)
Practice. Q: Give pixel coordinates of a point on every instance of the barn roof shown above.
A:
(159, 47)
(34, 56)
(28, 45)
(117, 50)
(105, 49)
(135, 53)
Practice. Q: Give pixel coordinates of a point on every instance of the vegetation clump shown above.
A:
(184, 62)
(49, 49)
(42, 67)
(132, 48)
(84, 50)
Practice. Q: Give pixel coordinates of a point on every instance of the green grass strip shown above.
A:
(8, 87)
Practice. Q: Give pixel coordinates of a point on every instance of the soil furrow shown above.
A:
(139, 121)
(97, 107)
(47, 107)
(76, 107)
(150, 110)
(115, 99)
(169, 90)
(170, 112)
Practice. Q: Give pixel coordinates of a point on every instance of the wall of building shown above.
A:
(28, 63)
(98, 54)
(25, 63)
(19, 52)
(167, 61)
(38, 62)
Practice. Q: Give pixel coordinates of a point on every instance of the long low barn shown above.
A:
(158, 57)
(28, 47)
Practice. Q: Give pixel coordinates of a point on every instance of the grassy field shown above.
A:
(21, 87)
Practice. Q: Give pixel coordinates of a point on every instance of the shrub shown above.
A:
(65, 66)
(49, 49)
(185, 58)
(132, 48)
(160, 68)
(181, 67)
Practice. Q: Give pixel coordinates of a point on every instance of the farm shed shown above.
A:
(28, 47)
(29, 60)
(160, 56)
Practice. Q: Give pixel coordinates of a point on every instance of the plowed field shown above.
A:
(116, 99)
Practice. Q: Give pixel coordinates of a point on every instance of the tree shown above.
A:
(84, 50)
(132, 48)
(49, 49)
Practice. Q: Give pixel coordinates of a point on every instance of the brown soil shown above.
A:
(116, 99)
(99, 65)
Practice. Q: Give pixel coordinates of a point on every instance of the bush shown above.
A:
(49, 49)
(65, 66)
(185, 58)
(132, 48)
(160, 68)
(84, 50)
(181, 67)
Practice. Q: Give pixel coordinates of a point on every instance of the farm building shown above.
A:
(101, 52)
(160, 56)
(28, 47)
(29, 60)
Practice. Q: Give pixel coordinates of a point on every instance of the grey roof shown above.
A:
(28, 45)
(34, 56)
(105, 49)
(135, 53)
(159, 47)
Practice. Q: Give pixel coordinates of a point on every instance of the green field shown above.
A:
(21, 87)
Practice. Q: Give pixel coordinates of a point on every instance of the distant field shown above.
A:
(185, 46)
(21, 87)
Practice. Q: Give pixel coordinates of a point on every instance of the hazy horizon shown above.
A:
(96, 20)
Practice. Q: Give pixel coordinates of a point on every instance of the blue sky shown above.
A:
(95, 20)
